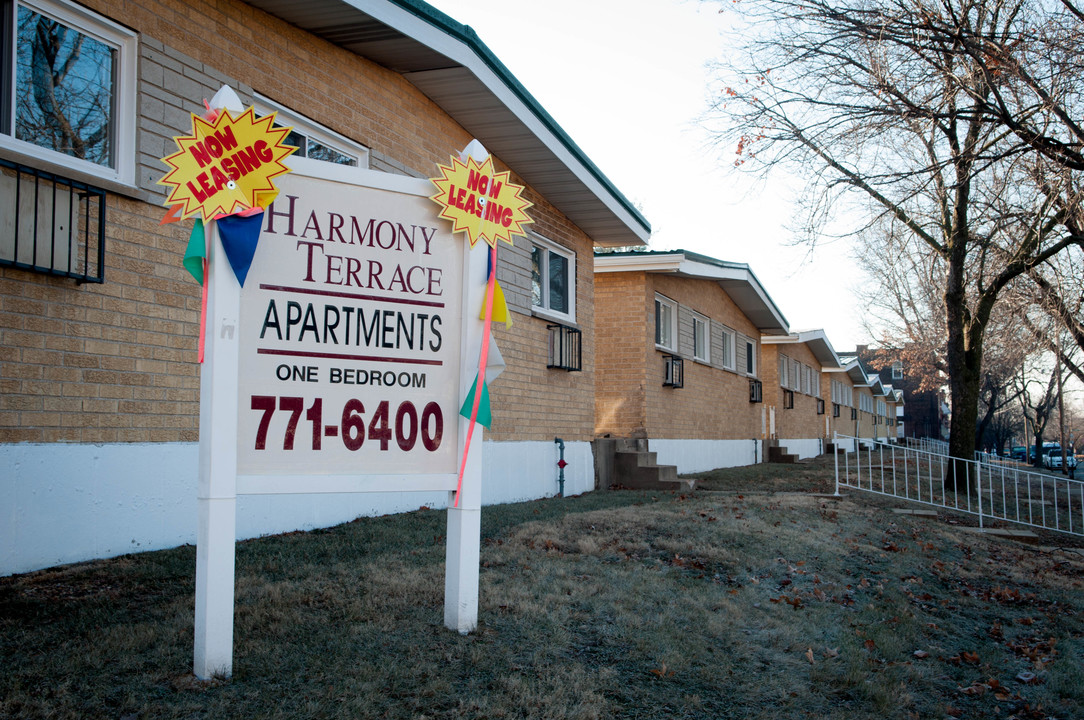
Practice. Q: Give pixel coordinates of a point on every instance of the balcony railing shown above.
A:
(50, 224)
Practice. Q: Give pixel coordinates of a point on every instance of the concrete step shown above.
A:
(640, 470)
(777, 454)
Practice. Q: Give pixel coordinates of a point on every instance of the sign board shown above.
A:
(351, 335)
(339, 367)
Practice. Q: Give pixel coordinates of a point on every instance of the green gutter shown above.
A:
(466, 34)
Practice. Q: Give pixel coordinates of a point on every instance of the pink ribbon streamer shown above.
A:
(483, 358)
(203, 308)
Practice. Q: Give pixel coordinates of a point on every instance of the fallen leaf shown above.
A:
(809, 655)
(1028, 678)
(921, 654)
(970, 658)
(831, 653)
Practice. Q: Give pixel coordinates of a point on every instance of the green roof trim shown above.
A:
(426, 12)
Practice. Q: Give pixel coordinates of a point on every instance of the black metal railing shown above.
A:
(673, 371)
(51, 224)
(565, 348)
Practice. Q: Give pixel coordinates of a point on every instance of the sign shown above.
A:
(225, 166)
(339, 367)
(350, 336)
(481, 202)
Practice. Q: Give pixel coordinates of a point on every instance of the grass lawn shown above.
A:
(748, 598)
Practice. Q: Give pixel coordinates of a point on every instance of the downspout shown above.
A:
(561, 465)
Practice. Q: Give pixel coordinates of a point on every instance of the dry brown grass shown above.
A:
(748, 598)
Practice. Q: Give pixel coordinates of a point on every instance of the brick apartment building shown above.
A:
(100, 404)
(678, 359)
(798, 407)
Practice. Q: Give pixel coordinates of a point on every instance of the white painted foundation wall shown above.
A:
(62, 503)
(701, 455)
(802, 447)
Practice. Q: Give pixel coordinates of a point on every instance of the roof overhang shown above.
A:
(736, 279)
(815, 340)
(449, 63)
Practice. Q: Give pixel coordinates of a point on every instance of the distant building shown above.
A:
(926, 412)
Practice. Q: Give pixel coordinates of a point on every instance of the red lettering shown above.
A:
(460, 194)
(262, 151)
(196, 192)
(506, 217)
(199, 152)
(202, 180)
(220, 179)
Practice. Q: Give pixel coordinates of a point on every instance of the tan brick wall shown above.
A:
(117, 362)
(622, 337)
(802, 421)
(713, 404)
(842, 424)
(531, 401)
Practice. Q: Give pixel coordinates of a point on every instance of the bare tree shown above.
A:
(898, 109)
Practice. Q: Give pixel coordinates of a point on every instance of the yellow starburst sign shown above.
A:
(481, 202)
(225, 166)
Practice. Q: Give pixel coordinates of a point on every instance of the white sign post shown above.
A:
(339, 367)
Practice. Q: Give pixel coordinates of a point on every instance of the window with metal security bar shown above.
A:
(820, 406)
(565, 348)
(756, 391)
(854, 413)
(50, 224)
(673, 371)
(835, 410)
(788, 399)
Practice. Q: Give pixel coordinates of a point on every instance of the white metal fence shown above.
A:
(999, 491)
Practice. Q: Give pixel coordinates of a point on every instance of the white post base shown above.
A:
(462, 555)
(214, 587)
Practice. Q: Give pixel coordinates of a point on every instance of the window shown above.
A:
(553, 280)
(728, 349)
(784, 371)
(756, 391)
(788, 399)
(68, 87)
(665, 310)
(701, 339)
(750, 358)
(820, 406)
(312, 140)
(897, 370)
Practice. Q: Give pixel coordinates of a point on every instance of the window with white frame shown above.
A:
(750, 358)
(818, 377)
(795, 374)
(728, 349)
(865, 402)
(897, 370)
(784, 371)
(312, 140)
(68, 87)
(701, 338)
(665, 312)
(553, 280)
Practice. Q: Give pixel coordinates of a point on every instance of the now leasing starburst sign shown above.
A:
(481, 202)
(225, 166)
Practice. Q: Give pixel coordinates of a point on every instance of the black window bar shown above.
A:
(788, 399)
(566, 348)
(673, 371)
(50, 224)
(820, 406)
(756, 391)
(835, 410)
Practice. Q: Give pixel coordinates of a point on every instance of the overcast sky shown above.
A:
(627, 80)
